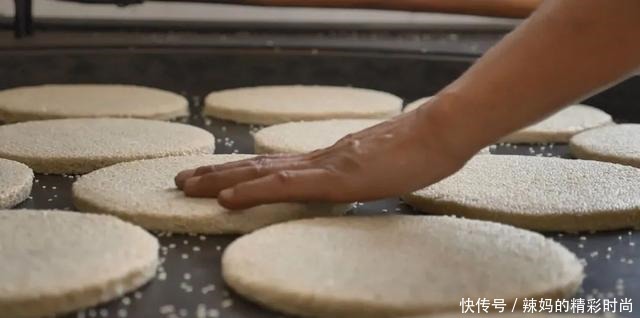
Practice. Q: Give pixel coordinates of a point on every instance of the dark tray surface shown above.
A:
(190, 281)
(192, 286)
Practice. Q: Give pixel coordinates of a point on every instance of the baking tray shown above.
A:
(190, 283)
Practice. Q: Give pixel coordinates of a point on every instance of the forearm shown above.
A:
(500, 8)
(566, 51)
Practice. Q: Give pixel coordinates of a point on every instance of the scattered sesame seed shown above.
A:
(167, 309)
(226, 303)
(207, 289)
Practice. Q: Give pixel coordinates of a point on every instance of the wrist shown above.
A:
(447, 126)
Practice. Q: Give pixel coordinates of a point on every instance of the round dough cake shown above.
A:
(301, 137)
(415, 104)
(561, 126)
(558, 127)
(16, 180)
(89, 100)
(55, 262)
(392, 266)
(278, 104)
(545, 194)
(83, 145)
(143, 192)
(617, 143)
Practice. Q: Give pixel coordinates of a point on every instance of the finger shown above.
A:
(262, 159)
(182, 176)
(283, 186)
(210, 184)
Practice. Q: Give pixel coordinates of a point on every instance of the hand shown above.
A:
(535, 70)
(392, 158)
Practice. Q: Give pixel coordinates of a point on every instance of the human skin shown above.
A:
(565, 51)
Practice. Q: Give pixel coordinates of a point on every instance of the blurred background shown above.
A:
(211, 12)
(224, 23)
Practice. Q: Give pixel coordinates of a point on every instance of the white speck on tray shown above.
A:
(226, 303)
(167, 309)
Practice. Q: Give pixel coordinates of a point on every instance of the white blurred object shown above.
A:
(217, 12)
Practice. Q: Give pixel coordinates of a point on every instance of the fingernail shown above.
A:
(182, 177)
(225, 198)
(226, 194)
(191, 185)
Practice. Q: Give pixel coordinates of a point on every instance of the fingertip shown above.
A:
(191, 187)
(182, 176)
(226, 198)
(203, 170)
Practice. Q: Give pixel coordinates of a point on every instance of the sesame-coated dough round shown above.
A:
(16, 180)
(561, 126)
(415, 104)
(278, 104)
(82, 145)
(143, 192)
(558, 127)
(617, 143)
(55, 262)
(545, 194)
(300, 137)
(393, 266)
(89, 100)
